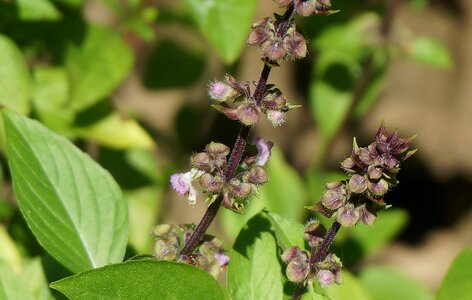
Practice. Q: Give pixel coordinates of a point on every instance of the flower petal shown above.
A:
(264, 151)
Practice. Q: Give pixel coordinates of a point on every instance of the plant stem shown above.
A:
(317, 255)
(238, 149)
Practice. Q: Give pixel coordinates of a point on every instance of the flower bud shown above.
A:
(335, 196)
(379, 188)
(320, 208)
(220, 91)
(211, 183)
(163, 230)
(298, 268)
(166, 249)
(239, 189)
(222, 259)
(325, 278)
(366, 217)
(248, 113)
(314, 232)
(274, 48)
(305, 7)
(365, 156)
(348, 164)
(217, 149)
(374, 172)
(257, 36)
(358, 183)
(277, 118)
(257, 175)
(200, 161)
(347, 215)
(282, 3)
(291, 253)
(296, 45)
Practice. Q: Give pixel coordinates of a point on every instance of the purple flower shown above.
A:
(222, 259)
(182, 184)
(325, 277)
(276, 117)
(263, 149)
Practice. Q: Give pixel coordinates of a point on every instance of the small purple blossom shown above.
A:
(264, 150)
(222, 259)
(182, 184)
(325, 277)
(276, 117)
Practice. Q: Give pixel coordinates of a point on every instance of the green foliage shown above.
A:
(145, 279)
(255, 271)
(34, 10)
(383, 283)
(431, 52)
(73, 206)
(12, 287)
(15, 83)
(288, 232)
(458, 281)
(224, 23)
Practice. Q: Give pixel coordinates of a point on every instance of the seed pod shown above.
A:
(358, 183)
(248, 113)
(347, 215)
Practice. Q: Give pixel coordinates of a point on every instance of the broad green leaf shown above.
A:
(15, 81)
(431, 52)
(233, 222)
(457, 284)
(224, 23)
(116, 132)
(73, 206)
(254, 271)
(288, 232)
(143, 206)
(33, 274)
(8, 251)
(388, 225)
(285, 192)
(143, 279)
(97, 66)
(384, 283)
(36, 10)
(50, 98)
(11, 285)
(350, 289)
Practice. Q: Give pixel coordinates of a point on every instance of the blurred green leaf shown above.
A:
(116, 132)
(36, 10)
(144, 279)
(350, 289)
(8, 251)
(33, 274)
(418, 5)
(72, 205)
(11, 285)
(97, 66)
(288, 232)
(384, 283)
(254, 271)
(457, 284)
(73, 3)
(50, 98)
(224, 23)
(15, 81)
(143, 207)
(431, 52)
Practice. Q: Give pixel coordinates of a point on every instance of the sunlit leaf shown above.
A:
(11, 285)
(431, 52)
(457, 284)
(144, 279)
(225, 23)
(35, 10)
(288, 232)
(73, 206)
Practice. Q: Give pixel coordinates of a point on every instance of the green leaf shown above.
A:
(388, 225)
(97, 67)
(50, 98)
(431, 52)
(384, 283)
(285, 192)
(15, 82)
(254, 271)
(117, 132)
(73, 206)
(11, 285)
(72, 3)
(144, 279)
(224, 23)
(350, 289)
(36, 10)
(143, 206)
(288, 232)
(457, 284)
(8, 251)
(33, 274)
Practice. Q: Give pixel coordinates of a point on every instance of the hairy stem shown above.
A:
(317, 255)
(238, 149)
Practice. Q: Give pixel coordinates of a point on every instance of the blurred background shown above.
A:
(126, 81)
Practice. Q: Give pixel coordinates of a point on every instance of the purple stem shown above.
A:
(238, 149)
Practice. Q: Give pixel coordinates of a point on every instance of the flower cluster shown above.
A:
(292, 45)
(372, 172)
(299, 267)
(209, 257)
(246, 109)
(309, 7)
(207, 175)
